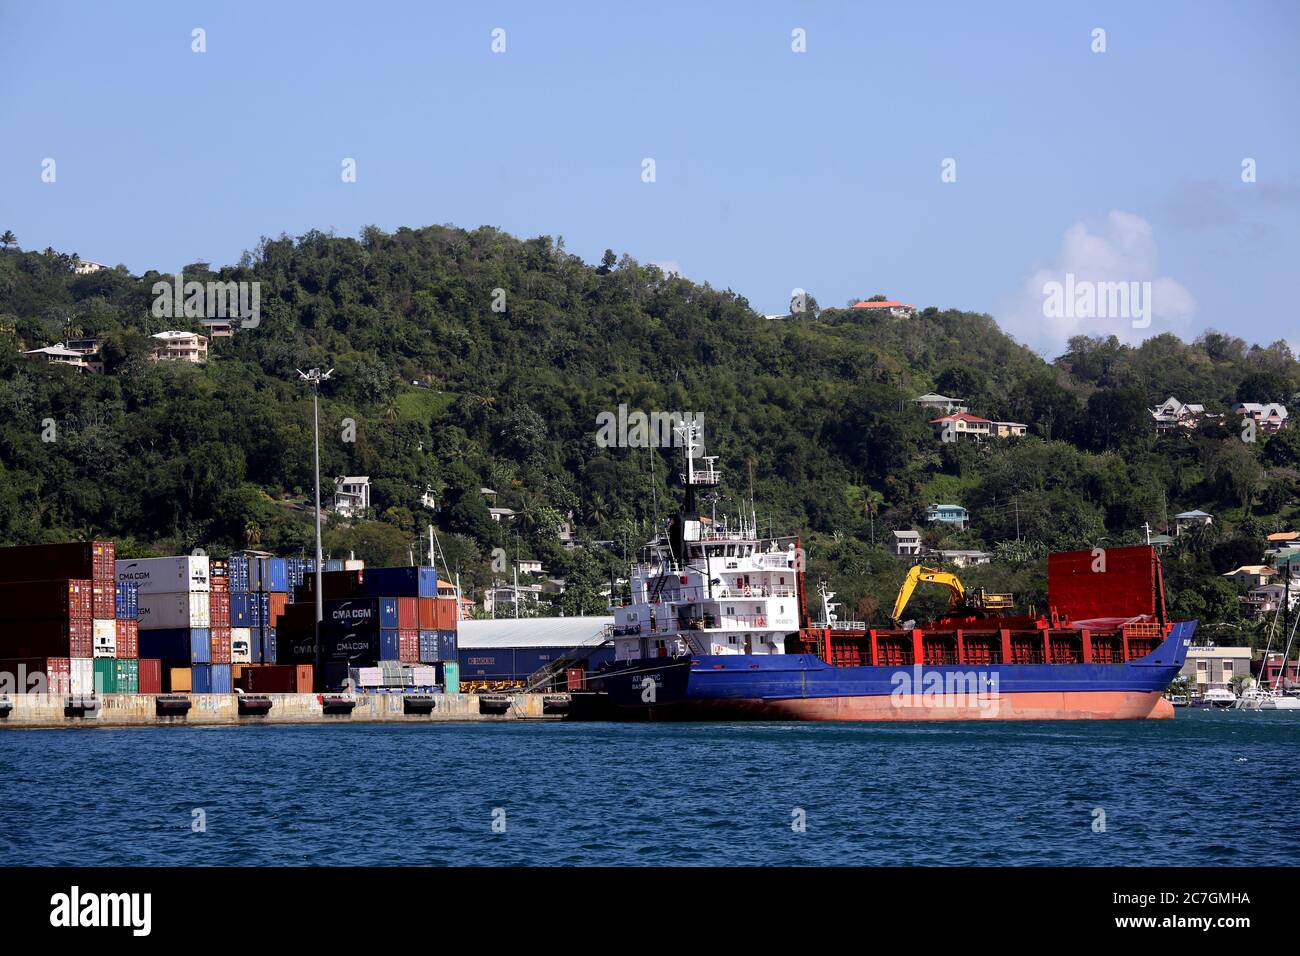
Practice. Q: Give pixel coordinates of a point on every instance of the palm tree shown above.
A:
(253, 533)
(8, 239)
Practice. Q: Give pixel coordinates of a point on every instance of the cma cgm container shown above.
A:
(90, 560)
(166, 575)
(44, 600)
(400, 582)
(193, 645)
(126, 601)
(174, 609)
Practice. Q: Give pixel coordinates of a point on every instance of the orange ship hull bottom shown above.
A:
(1051, 705)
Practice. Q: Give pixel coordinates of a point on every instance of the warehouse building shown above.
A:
(509, 650)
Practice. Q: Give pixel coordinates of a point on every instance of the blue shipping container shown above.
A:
(201, 679)
(400, 582)
(388, 612)
(333, 564)
(126, 601)
(446, 646)
(219, 679)
(237, 571)
(429, 647)
(273, 575)
(240, 613)
(389, 646)
(268, 645)
(177, 645)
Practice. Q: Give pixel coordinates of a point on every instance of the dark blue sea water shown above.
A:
(1205, 788)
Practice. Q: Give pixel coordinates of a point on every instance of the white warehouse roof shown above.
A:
(532, 632)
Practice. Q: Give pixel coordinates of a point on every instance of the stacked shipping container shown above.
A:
(174, 596)
(63, 617)
(373, 621)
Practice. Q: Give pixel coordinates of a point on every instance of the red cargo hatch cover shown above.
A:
(1078, 588)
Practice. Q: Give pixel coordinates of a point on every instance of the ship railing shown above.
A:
(736, 622)
(753, 592)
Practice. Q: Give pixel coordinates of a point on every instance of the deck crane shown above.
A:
(961, 601)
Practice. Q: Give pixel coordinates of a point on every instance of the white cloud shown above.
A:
(669, 266)
(1122, 250)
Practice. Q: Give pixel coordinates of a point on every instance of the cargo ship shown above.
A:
(716, 626)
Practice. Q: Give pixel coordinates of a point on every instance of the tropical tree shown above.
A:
(8, 239)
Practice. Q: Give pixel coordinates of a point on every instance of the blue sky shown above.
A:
(774, 169)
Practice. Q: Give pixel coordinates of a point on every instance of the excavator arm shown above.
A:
(915, 576)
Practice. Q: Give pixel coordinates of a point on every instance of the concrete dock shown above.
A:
(148, 710)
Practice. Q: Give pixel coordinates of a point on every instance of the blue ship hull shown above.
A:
(804, 687)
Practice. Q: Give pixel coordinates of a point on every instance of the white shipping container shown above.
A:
(166, 575)
(177, 609)
(82, 673)
(424, 676)
(241, 645)
(354, 565)
(105, 638)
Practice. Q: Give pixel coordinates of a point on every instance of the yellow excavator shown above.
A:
(961, 601)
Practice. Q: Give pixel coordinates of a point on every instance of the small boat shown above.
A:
(1179, 700)
(1218, 698)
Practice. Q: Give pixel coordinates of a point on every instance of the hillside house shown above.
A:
(179, 347)
(906, 544)
(1190, 519)
(899, 310)
(941, 403)
(1250, 575)
(962, 425)
(71, 354)
(1270, 418)
(351, 494)
(85, 267)
(1172, 413)
(964, 559)
(955, 515)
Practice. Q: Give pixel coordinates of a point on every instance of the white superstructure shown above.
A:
(708, 587)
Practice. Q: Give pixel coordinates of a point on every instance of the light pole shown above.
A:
(314, 377)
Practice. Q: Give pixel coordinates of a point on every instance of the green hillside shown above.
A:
(167, 457)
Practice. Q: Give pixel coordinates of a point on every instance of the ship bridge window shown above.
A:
(731, 550)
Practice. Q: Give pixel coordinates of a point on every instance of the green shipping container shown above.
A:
(128, 677)
(105, 675)
(451, 678)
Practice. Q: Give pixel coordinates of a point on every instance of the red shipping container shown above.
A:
(128, 640)
(574, 678)
(428, 614)
(46, 600)
(219, 643)
(408, 645)
(278, 679)
(218, 610)
(36, 675)
(150, 675)
(103, 601)
(88, 560)
(408, 612)
(446, 614)
(104, 562)
(48, 639)
(278, 602)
